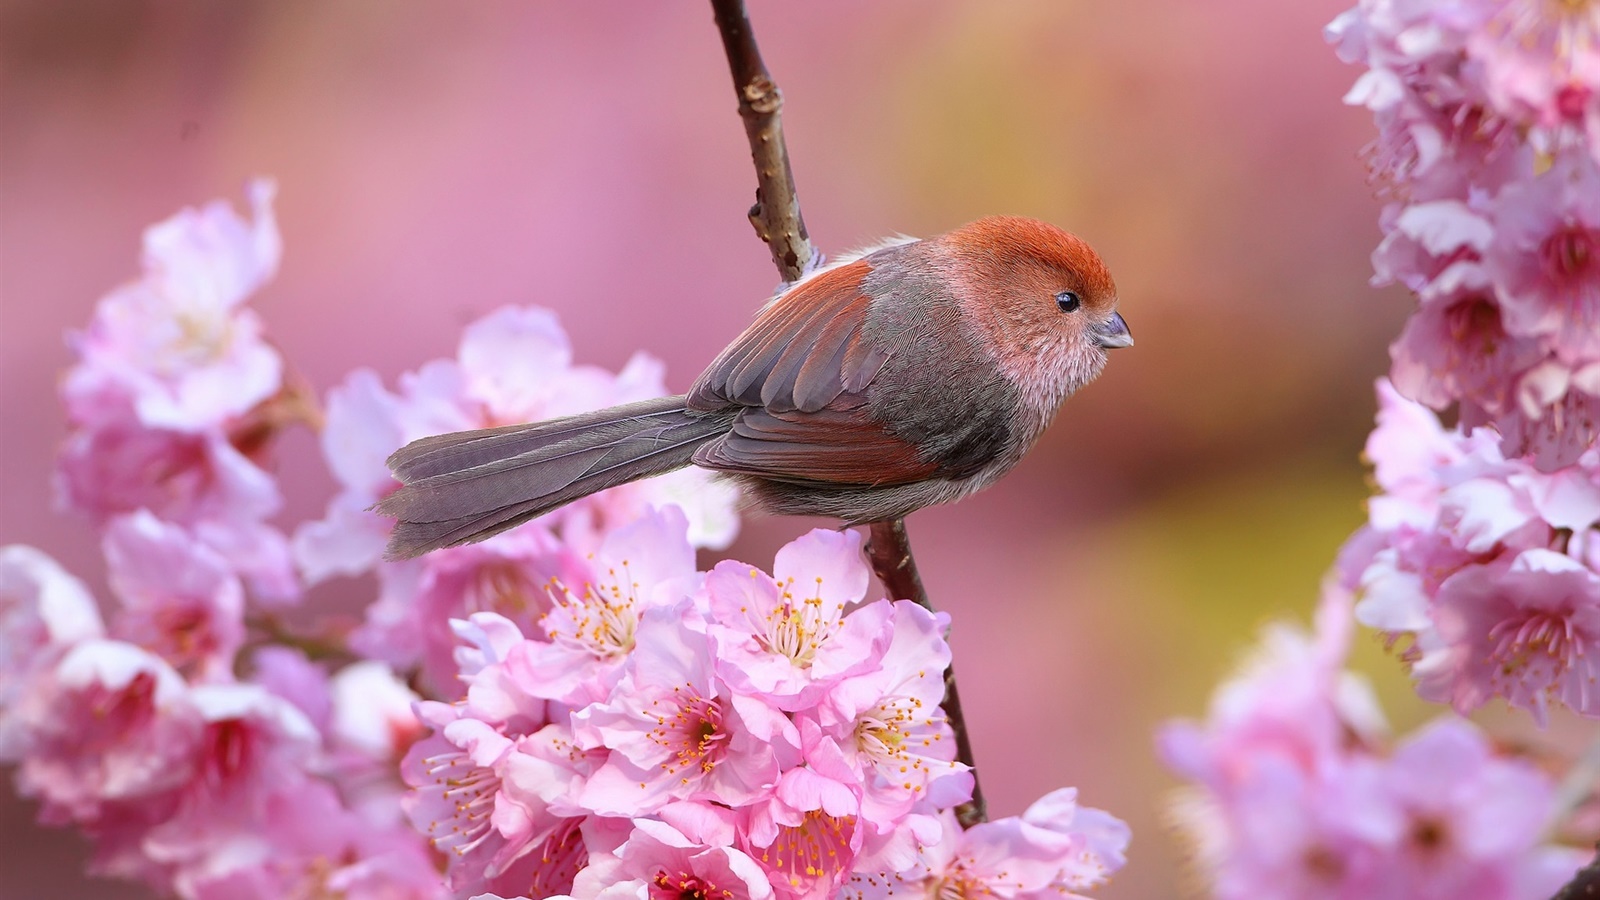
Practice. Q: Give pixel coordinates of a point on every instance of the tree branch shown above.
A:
(1585, 884)
(776, 217)
(889, 548)
(776, 213)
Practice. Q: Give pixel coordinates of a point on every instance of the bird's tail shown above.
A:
(464, 487)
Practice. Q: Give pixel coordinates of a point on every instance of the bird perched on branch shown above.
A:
(909, 375)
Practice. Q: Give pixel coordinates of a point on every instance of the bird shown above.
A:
(911, 373)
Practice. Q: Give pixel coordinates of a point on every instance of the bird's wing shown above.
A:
(800, 372)
(802, 352)
(831, 445)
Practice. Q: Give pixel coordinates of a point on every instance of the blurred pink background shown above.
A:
(436, 161)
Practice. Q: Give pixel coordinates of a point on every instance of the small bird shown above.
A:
(914, 373)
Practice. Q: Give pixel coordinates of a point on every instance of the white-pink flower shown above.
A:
(111, 724)
(179, 598)
(659, 861)
(886, 725)
(456, 798)
(44, 612)
(1010, 857)
(177, 344)
(1528, 632)
(807, 833)
(307, 844)
(371, 711)
(410, 622)
(786, 636)
(594, 606)
(1545, 258)
(674, 731)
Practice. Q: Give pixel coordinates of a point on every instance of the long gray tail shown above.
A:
(464, 487)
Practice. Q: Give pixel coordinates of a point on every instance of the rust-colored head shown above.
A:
(1042, 298)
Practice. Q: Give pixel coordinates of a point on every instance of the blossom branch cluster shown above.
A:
(1298, 790)
(666, 732)
(1488, 138)
(197, 763)
(1478, 552)
(1479, 560)
(570, 708)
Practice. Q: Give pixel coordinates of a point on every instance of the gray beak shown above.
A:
(1112, 333)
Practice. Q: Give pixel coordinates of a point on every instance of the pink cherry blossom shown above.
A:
(1291, 700)
(307, 844)
(179, 599)
(1556, 416)
(410, 623)
(1526, 632)
(658, 862)
(675, 731)
(119, 466)
(594, 607)
(786, 636)
(1472, 820)
(176, 344)
(1483, 109)
(543, 775)
(290, 674)
(364, 423)
(1007, 857)
(111, 724)
(44, 612)
(806, 835)
(1295, 794)
(1541, 62)
(371, 711)
(457, 799)
(252, 745)
(886, 726)
(201, 481)
(493, 693)
(1546, 258)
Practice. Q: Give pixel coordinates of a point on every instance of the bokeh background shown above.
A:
(437, 160)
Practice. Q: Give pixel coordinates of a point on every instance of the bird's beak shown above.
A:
(1112, 333)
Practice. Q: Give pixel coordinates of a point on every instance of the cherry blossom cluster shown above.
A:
(665, 732)
(199, 757)
(568, 708)
(175, 393)
(1488, 114)
(1297, 791)
(1487, 567)
(1478, 559)
(513, 365)
(1478, 551)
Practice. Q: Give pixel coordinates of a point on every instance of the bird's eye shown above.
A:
(1068, 301)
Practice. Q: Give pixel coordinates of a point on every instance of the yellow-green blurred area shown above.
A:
(437, 160)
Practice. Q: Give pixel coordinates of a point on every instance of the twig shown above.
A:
(776, 217)
(1585, 884)
(890, 551)
(776, 213)
(1574, 790)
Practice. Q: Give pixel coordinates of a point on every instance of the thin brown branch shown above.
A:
(890, 551)
(776, 217)
(776, 213)
(1584, 886)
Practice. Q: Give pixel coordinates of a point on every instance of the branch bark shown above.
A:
(776, 217)
(776, 213)
(1584, 885)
